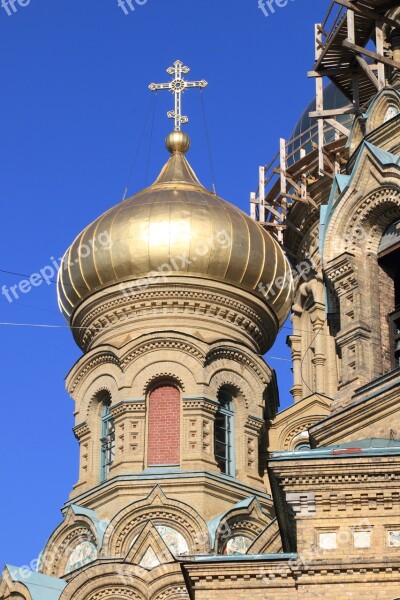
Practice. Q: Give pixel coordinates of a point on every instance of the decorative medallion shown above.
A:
(83, 554)
(394, 539)
(391, 112)
(237, 545)
(174, 540)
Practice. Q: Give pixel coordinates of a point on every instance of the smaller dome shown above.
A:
(305, 129)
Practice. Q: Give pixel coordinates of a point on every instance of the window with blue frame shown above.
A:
(225, 433)
(107, 441)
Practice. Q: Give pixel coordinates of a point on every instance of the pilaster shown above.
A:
(198, 433)
(130, 423)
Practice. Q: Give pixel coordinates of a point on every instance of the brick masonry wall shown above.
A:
(164, 426)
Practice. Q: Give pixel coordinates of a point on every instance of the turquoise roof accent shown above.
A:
(368, 443)
(384, 157)
(214, 523)
(342, 182)
(207, 558)
(165, 474)
(100, 525)
(40, 587)
(358, 448)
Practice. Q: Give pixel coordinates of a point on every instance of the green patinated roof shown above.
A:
(99, 524)
(342, 182)
(40, 587)
(384, 157)
(365, 447)
(214, 523)
(368, 443)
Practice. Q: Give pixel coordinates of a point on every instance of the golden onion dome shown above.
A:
(175, 227)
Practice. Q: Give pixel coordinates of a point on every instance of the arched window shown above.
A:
(389, 262)
(225, 434)
(164, 426)
(107, 439)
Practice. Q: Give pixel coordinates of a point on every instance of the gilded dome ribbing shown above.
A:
(175, 227)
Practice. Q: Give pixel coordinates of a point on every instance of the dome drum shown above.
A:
(215, 310)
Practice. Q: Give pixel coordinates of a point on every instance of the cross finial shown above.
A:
(177, 86)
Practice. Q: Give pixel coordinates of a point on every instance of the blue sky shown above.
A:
(74, 97)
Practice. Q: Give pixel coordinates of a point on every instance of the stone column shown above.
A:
(252, 432)
(86, 468)
(317, 315)
(354, 337)
(129, 423)
(294, 342)
(198, 433)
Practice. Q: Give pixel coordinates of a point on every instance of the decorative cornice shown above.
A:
(113, 308)
(165, 375)
(81, 430)
(125, 406)
(354, 333)
(115, 486)
(358, 415)
(362, 478)
(204, 404)
(254, 424)
(238, 356)
(289, 571)
(162, 344)
(106, 357)
(99, 359)
(341, 268)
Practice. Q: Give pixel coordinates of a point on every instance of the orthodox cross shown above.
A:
(177, 86)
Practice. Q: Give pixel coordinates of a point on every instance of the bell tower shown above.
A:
(178, 298)
(169, 315)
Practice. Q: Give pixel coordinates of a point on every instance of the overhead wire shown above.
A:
(151, 137)
(203, 110)
(52, 280)
(139, 145)
(49, 326)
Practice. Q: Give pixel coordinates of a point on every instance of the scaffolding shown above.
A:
(343, 54)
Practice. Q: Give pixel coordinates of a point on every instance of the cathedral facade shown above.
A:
(192, 484)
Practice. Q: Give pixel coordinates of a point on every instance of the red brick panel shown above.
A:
(164, 426)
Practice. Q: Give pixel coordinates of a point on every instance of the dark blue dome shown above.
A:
(306, 129)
